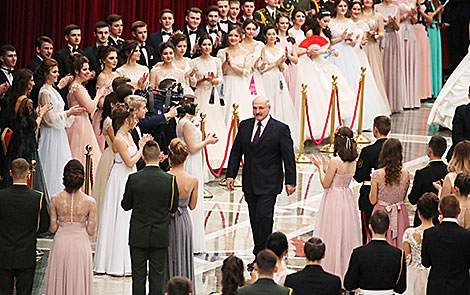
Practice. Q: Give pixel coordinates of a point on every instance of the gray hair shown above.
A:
(264, 98)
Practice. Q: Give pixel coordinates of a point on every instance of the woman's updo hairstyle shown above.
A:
(178, 152)
(127, 50)
(44, 69)
(427, 205)
(76, 62)
(203, 38)
(462, 182)
(166, 45)
(246, 23)
(120, 113)
(104, 51)
(177, 38)
(74, 176)
(344, 144)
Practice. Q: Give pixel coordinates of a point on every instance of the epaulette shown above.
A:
(424, 167)
(120, 39)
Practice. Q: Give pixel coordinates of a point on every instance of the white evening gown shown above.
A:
(194, 166)
(236, 88)
(186, 83)
(215, 112)
(255, 75)
(282, 106)
(54, 149)
(112, 254)
(375, 104)
(453, 94)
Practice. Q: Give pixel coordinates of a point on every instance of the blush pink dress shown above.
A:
(81, 132)
(391, 200)
(338, 225)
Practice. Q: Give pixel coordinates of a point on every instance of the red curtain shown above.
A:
(25, 20)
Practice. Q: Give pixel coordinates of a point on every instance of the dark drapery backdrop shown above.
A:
(25, 20)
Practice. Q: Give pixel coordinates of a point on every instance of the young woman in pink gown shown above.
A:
(389, 186)
(81, 133)
(337, 223)
(108, 57)
(70, 266)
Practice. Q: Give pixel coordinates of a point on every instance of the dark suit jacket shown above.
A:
(424, 177)
(155, 40)
(446, 249)
(34, 64)
(3, 78)
(117, 45)
(92, 55)
(262, 171)
(368, 160)
(222, 39)
(152, 58)
(264, 287)
(151, 205)
(460, 127)
(314, 280)
(23, 214)
(376, 266)
(199, 33)
(61, 57)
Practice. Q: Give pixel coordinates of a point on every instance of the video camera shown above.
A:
(163, 99)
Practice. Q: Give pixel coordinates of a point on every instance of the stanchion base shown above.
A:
(362, 139)
(207, 194)
(238, 182)
(329, 148)
(302, 159)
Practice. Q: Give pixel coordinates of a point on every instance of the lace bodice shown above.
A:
(78, 95)
(405, 7)
(57, 117)
(298, 35)
(205, 66)
(391, 194)
(72, 208)
(134, 73)
(386, 11)
(161, 74)
(338, 27)
(240, 61)
(410, 236)
(271, 58)
(360, 28)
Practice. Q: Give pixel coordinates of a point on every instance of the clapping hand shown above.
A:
(210, 77)
(65, 81)
(228, 58)
(142, 83)
(76, 111)
(320, 163)
(212, 138)
(143, 140)
(162, 157)
(103, 91)
(91, 75)
(4, 87)
(438, 184)
(42, 110)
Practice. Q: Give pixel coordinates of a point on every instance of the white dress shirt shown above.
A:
(165, 37)
(192, 37)
(263, 126)
(8, 75)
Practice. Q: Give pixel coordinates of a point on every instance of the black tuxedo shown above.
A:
(149, 226)
(460, 127)
(422, 183)
(368, 160)
(263, 175)
(23, 214)
(61, 57)
(92, 54)
(152, 58)
(457, 14)
(314, 280)
(216, 49)
(376, 266)
(199, 32)
(446, 249)
(35, 63)
(155, 40)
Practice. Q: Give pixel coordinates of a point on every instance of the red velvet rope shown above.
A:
(326, 123)
(357, 103)
(225, 156)
(337, 106)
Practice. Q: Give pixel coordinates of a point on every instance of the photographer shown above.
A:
(192, 136)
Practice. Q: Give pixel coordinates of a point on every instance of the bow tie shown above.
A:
(213, 31)
(9, 71)
(192, 32)
(74, 50)
(166, 33)
(224, 21)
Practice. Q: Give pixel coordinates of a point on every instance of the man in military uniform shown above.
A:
(434, 171)
(266, 16)
(115, 30)
(265, 265)
(368, 160)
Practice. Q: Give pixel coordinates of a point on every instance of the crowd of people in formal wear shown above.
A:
(135, 104)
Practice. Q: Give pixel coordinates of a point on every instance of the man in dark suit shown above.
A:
(115, 30)
(248, 9)
(101, 34)
(148, 232)
(313, 279)
(223, 6)
(266, 145)
(73, 37)
(233, 12)
(44, 49)
(192, 30)
(167, 19)
(24, 214)
(460, 126)
(446, 249)
(368, 160)
(213, 29)
(266, 16)
(8, 59)
(139, 33)
(434, 171)
(266, 266)
(377, 266)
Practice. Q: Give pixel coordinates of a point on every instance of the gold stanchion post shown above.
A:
(238, 182)
(33, 171)
(301, 158)
(207, 194)
(329, 148)
(88, 168)
(361, 138)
